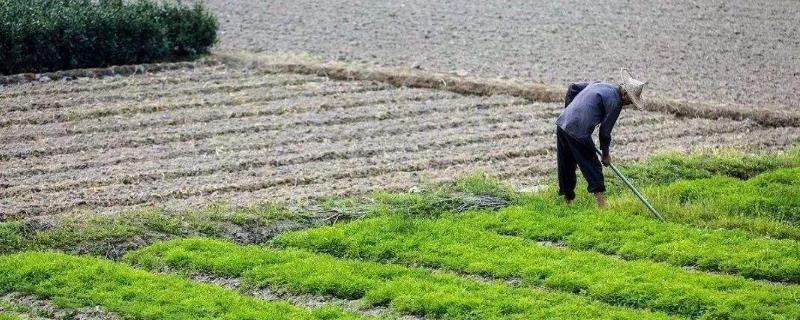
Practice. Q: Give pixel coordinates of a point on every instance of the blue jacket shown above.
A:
(587, 105)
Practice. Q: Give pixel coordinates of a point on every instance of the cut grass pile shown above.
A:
(47, 35)
(405, 289)
(72, 281)
(451, 244)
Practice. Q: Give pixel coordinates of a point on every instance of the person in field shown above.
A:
(587, 105)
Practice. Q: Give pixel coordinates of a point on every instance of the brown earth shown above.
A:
(186, 137)
(733, 52)
(31, 307)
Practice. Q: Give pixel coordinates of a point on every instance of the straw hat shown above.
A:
(634, 89)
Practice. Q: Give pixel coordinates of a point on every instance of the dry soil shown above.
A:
(741, 52)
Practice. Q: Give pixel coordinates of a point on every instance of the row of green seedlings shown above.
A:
(765, 204)
(612, 232)
(404, 289)
(616, 231)
(79, 281)
(707, 189)
(639, 237)
(458, 245)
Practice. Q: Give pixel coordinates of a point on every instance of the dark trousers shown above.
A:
(572, 153)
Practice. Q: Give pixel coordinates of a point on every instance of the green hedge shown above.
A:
(48, 35)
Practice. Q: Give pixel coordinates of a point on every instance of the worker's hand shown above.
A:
(606, 159)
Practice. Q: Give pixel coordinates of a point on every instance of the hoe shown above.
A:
(634, 190)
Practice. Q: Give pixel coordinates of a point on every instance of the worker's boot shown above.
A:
(601, 199)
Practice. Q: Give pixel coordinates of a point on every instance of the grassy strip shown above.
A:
(766, 195)
(74, 282)
(706, 189)
(456, 245)
(639, 237)
(666, 168)
(762, 205)
(406, 290)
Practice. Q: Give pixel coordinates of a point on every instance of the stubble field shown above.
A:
(187, 137)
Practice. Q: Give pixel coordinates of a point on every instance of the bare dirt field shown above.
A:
(183, 138)
(741, 52)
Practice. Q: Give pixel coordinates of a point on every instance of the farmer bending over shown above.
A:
(587, 105)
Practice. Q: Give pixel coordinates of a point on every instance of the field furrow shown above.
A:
(308, 300)
(268, 92)
(208, 113)
(223, 142)
(257, 178)
(277, 156)
(29, 307)
(134, 89)
(110, 84)
(271, 155)
(194, 131)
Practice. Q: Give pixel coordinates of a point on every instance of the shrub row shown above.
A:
(48, 35)
(459, 246)
(431, 294)
(73, 282)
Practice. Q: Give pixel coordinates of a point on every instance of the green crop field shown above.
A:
(729, 250)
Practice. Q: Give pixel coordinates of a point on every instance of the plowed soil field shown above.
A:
(183, 138)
